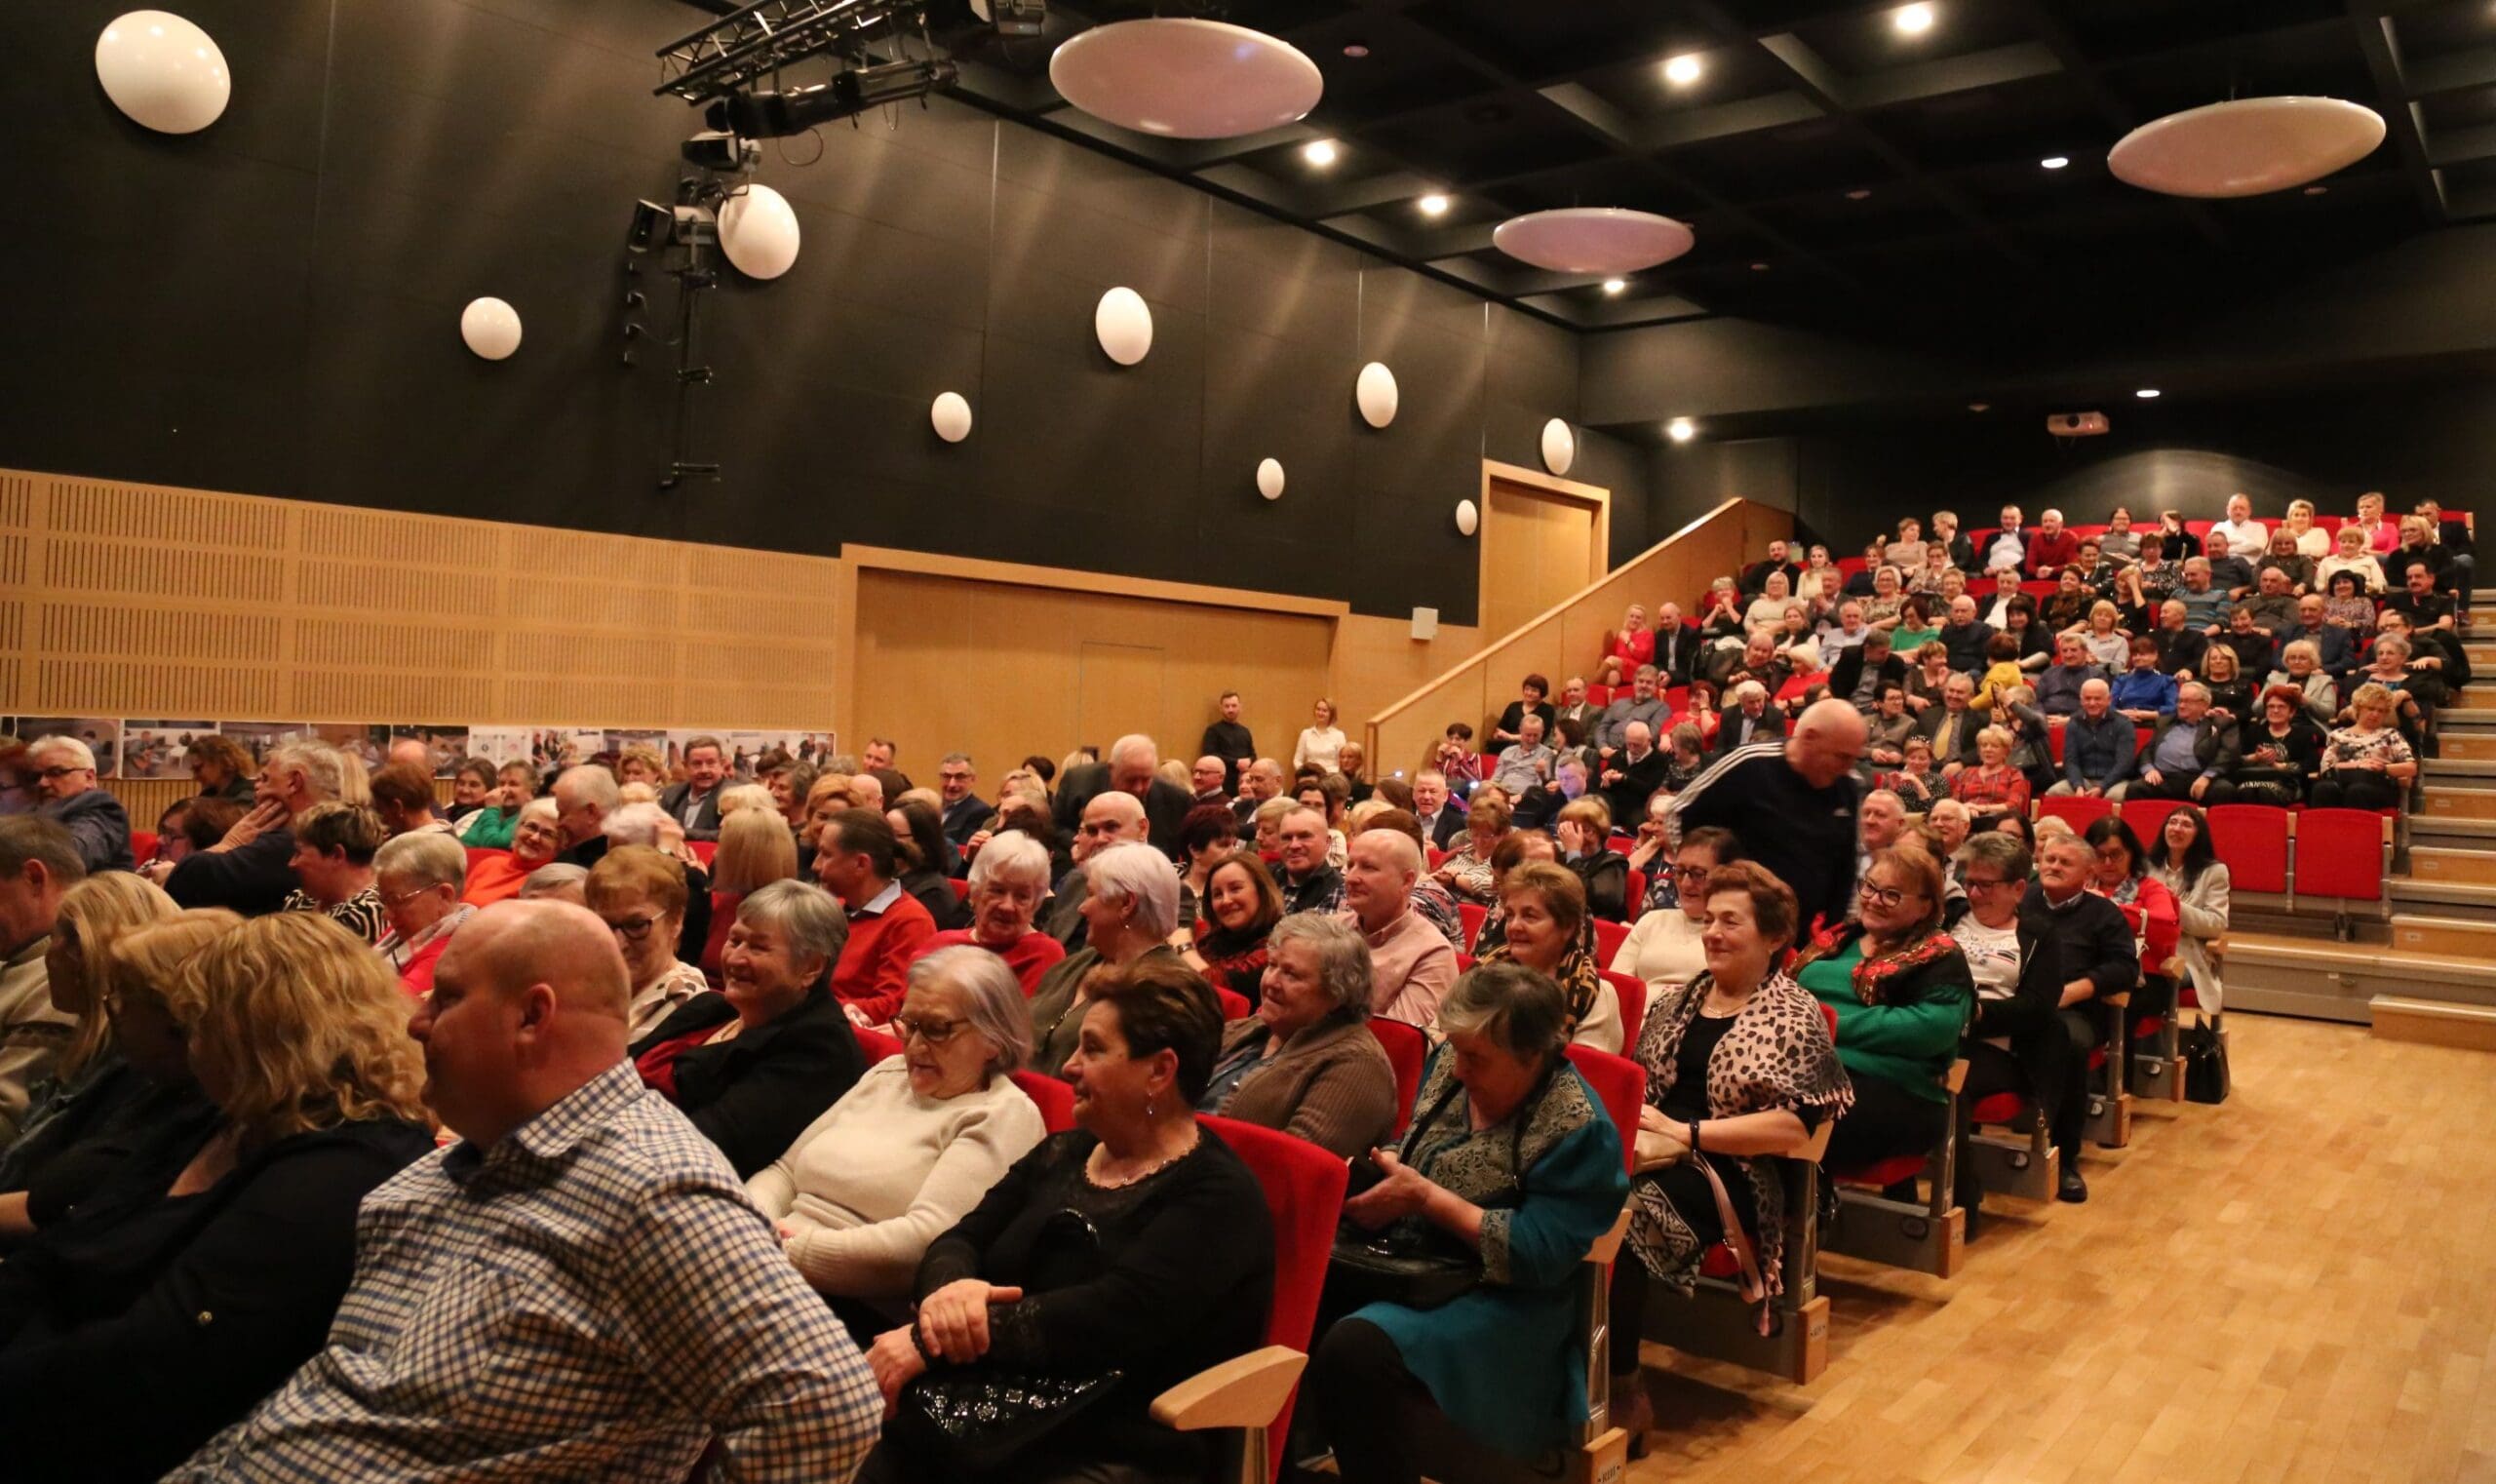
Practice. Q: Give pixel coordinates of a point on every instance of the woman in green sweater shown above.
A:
(1902, 995)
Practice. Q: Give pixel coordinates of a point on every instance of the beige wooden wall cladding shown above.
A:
(142, 600)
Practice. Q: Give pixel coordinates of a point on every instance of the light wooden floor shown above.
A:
(2299, 1285)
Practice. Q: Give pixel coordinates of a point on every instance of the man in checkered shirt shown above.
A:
(577, 1290)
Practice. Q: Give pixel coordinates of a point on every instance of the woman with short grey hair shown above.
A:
(907, 1151)
(1306, 1062)
(1130, 906)
(1009, 881)
(418, 877)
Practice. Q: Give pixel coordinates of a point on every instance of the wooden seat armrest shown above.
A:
(1816, 1148)
(1608, 1245)
(1956, 1078)
(2118, 1001)
(1247, 1392)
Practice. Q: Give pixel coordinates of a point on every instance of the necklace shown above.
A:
(1101, 1153)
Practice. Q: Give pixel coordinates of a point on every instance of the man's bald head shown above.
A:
(554, 943)
(410, 751)
(528, 1005)
(1827, 742)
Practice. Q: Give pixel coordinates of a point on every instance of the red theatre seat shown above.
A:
(876, 1045)
(1620, 1085)
(703, 850)
(2075, 811)
(1608, 936)
(2340, 853)
(1887, 1172)
(143, 845)
(1472, 913)
(2001, 1108)
(1053, 1098)
(961, 887)
(2147, 817)
(1637, 891)
(1407, 1051)
(1303, 1187)
(1234, 1006)
(2253, 840)
(1632, 991)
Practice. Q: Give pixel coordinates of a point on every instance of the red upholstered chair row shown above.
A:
(1407, 1051)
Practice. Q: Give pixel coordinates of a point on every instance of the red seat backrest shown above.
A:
(2252, 842)
(2340, 853)
(1473, 914)
(1234, 1006)
(1632, 994)
(1620, 1085)
(2074, 809)
(703, 850)
(961, 887)
(1608, 936)
(876, 1045)
(1437, 857)
(1407, 1049)
(143, 845)
(2147, 817)
(1303, 1189)
(1054, 1099)
(1637, 891)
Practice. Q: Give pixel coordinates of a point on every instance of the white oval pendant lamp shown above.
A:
(1123, 322)
(163, 71)
(1270, 477)
(2246, 146)
(951, 416)
(758, 232)
(1601, 240)
(1559, 447)
(491, 329)
(1375, 393)
(1185, 79)
(1468, 518)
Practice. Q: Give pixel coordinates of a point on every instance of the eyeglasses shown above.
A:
(636, 930)
(396, 900)
(1981, 884)
(1691, 873)
(1884, 896)
(50, 773)
(934, 1033)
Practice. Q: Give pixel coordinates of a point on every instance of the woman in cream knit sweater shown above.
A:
(911, 1148)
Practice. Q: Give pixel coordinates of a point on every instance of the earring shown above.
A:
(1148, 1107)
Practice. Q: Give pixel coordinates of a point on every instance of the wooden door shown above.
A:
(1538, 548)
(1118, 691)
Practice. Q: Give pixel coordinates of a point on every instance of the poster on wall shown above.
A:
(652, 737)
(159, 748)
(559, 747)
(364, 740)
(446, 746)
(499, 745)
(101, 734)
(260, 738)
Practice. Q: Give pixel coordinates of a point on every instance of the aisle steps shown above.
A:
(2327, 980)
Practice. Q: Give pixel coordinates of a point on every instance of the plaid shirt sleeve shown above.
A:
(707, 1294)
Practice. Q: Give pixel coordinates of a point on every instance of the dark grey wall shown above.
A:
(271, 306)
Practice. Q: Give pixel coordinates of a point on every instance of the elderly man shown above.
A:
(247, 871)
(2006, 587)
(1574, 705)
(2335, 644)
(65, 776)
(2052, 547)
(857, 860)
(1259, 782)
(584, 796)
(2204, 600)
(2058, 685)
(1230, 741)
(411, 752)
(1641, 704)
(2009, 544)
(1205, 778)
(1845, 631)
(663, 1322)
(964, 813)
(2190, 755)
(39, 861)
(1525, 765)
(1432, 808)
(2273, 605)
(2239, 534)
(2098, 744)
(1110, 819)
(2078, 948)
(1411, 965)
(1130, 769)
(1677, 647)
(1863, 672)
(1881, 822)
(1633, 775)
(1792, 806)
(1748, 720)
(1308, 883)
(695, 803)
(1952, 726)
(1965, 636)
(2183, 647)
(1756, 659)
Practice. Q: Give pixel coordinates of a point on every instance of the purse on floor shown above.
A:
(2204, 1053)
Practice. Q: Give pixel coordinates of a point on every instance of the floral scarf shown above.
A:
(1776, 1054)
(1872, 976)
(1581, 978)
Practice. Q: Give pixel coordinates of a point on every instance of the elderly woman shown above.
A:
(1993, 786)
(1134, 1250)
(2187, 864)
(1129, 914)
(2124, 877)
(1304, 1062)
(195, 1283)
(1664, 948)
(790, 787)
(640, 762)
(1585, 834)
(923, 854)
(2351, 555)
(1766, 613)
(80, 1121)
(490, 827)
(1544, 910)
(221, 767)
(2311, 541)
(907, 1151)
(2278, 751)
(1902, 995)
(1468, 873)
(1009, 879)
(1243, 903)
(534, 841)
(756, 1062)
(641, 893)
(418, 877)
(1510, 1162)
(2104, 638)
(335, 844)
(2301, 671)
(1738, 1067)
(472, 787)
(2367, 765)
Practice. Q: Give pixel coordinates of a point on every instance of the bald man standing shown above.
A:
(1791, 802)
(578, 1289)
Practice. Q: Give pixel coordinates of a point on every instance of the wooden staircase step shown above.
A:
(2433, 1022)
(2448, 802)
(2443, 937)
(2476, 868)
(2469, 747)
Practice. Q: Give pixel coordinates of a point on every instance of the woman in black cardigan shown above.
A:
(753, 1066)
(1136, 1243)
(199, 1275)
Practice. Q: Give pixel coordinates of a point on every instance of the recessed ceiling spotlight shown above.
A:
(2317, 190)
(2146, 393)
(1432, 205)
(1859, 193)
(2055, 162)
(1759, 267)
(1357, 49)
(1913, 19)
(1681, 430)
(1614, 285)
(1682, 70)
(1318, 152)
(1979, 407)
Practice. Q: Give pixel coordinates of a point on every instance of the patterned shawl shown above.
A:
(1581, 978)
(1873, 977)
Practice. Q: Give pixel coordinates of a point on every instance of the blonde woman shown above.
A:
(748, 796)
(2351, 557)
(755, 849)
(195, 1295)
(2314, 543)
(1321, 742)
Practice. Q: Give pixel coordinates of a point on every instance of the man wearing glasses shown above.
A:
(66, 773)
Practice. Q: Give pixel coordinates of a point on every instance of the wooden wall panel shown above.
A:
(1377, 661)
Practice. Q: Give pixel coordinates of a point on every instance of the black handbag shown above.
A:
(2204, 1053)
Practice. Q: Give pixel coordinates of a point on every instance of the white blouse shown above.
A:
(1663, 950)
(1317, 749)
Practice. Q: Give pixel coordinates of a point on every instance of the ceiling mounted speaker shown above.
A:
(2249, 146)
(1269, 479)
(1374, 391)
(492, 328)
(1186, 79)
(163, 71)
(1559, 447)
(1602, 240)
(758, 232)
(1123, 322)
(1468, 519)
(951, 416)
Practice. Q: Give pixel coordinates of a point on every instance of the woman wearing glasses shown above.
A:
(1664, 948)
(910, 1149)
(640, 892)
(1902, 995)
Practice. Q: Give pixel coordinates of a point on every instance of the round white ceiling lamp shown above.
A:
(1270, 477)
(1185, 79)
(1375, 392)
(492, 329)
(1123, 324)
(1559, 446)
(163, 71)
(1607, 241)
(2246, 146)
(758, 232)
(1681, 430)
(951, 416)
(1468, 519)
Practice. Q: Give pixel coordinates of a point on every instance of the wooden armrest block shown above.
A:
(1816, 1148)
(1608, 1245)
(1956, 1078)
(2118, 1001)
(1248, 1391)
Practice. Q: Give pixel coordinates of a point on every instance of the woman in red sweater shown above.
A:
(1009, 879)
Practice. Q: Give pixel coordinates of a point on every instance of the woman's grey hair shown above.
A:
(1141, 876)
(431, 858)
(1008, 857)
(1343, 971)
(2304, 647)
(540, 808)
(551, 879)
(2006, 854)
(809, 915)
(319, 763)
(1521, 1010)
(635, 824)
(991, 999)
(2394, 644)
